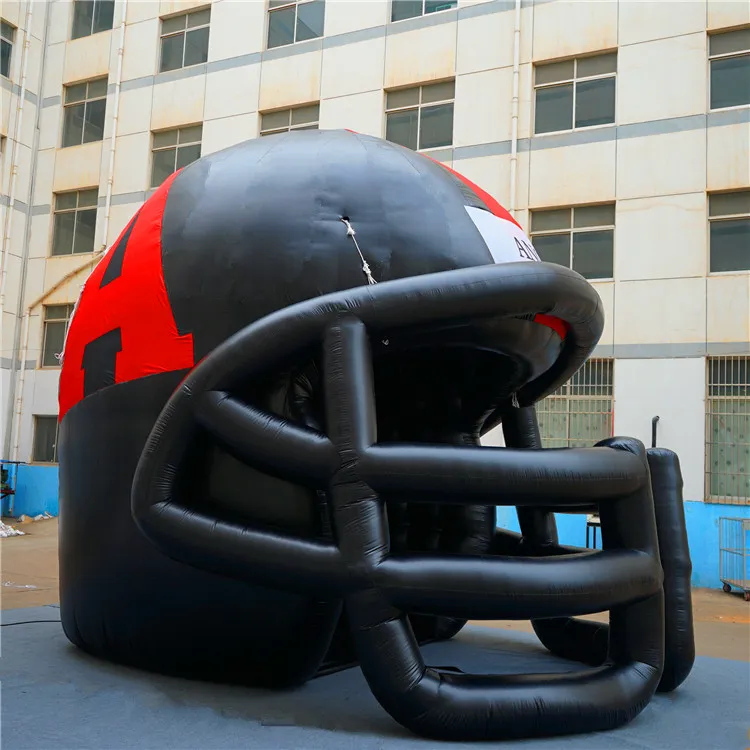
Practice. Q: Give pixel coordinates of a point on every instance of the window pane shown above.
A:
(75, 93)
(104, 14)
(73, 125)
(553, 248)
(199, 18)
(594, 216)
(45, 438)
(83, 18)
(730, 245)
(170, 25)
(433, 6)
(96, 89)
(192, 134)
(731, 41)
(54, 336)
(596, 66)
(437, 92)
(310, 19)
(57, 312)
(730, 82)
(553, 422)
(5, 51)
(729, 204)
(187, 155)
(729, 376)
(163, 166)
(554, 109)
(6, 31)
(545, 221)
(401, 9)
(275, 120)
(553, 72)
(729, 448)
(65, 200)
(171, 52)
(62, 235)
(402, 98)
(85, 228)
(165, 138)
(93, 126)
(305, 115)
(593, 254)
(281, 27)
(595, 102)
(196, 46)
(87, 197)
(401, 128)
(436, 129)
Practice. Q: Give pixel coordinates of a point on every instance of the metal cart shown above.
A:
(734, 554)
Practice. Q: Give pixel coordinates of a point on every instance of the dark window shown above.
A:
(56, 320)
(421, 117)
(298, 118)
(401, 9)
(75, 222)
(173, 150)
(184, 40)
(581, 238)
(45, 440)
(290, 22)
(85, 109)
(91, 17)
(729, 54)
(575, 94)
(729, 219)
(7, 37)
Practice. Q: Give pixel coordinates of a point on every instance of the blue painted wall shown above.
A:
(702, 521)
(36, 492)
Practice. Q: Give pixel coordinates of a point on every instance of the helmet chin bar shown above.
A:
(379, 588)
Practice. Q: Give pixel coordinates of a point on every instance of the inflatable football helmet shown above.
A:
(272, 396)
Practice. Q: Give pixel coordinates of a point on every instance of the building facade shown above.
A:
(617, 133)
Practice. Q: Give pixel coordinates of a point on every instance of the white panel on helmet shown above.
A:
(505, 240)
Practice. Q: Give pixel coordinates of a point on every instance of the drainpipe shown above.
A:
(514, 108)
(115, 121)
(14, 162)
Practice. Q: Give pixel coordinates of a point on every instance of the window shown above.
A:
(729, 222)
(401, 9)
(45, 440)
(728, 429)
(421, 117)
(575, 93)
(7, 37)
(85, 108)
(299, 118)
(75, 222)
(56, 319)
(290, 21)
(729, 55)
(581, 238)
(184, 40)
(173, 150)
(91, 17)
(579, 413)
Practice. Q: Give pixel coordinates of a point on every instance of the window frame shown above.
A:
(85, 101)
(43, 351)
(285, 6)
(91, 32)
(575, 80)
(572, 230)
(10, 41)
(454, 6)
(175, 147)
(564, 394)
(724, 56)
(184, 31)
(55, 446)
(76, 210)
(712, 413)
(290, 127)
(419, 106)
(719, 218)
